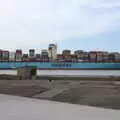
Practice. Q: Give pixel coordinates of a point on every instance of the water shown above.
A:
(70, 72)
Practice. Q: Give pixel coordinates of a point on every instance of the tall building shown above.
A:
(52, 51)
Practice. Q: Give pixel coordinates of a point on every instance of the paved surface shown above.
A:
(20, 108)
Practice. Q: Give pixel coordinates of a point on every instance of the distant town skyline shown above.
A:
(72, 24)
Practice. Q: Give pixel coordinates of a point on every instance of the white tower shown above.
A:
(52, 51)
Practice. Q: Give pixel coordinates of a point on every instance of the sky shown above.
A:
(72, 24)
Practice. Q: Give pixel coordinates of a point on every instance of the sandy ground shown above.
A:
(104, 94)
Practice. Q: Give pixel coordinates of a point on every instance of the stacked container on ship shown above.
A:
(79, 55)
(32, 54)
(93, 56)
(5, 56)
(66, 55)
(105, 56)
(18, 55)
(116, 57)
(25, 57)
(38, 57)
(99, 56)
(44, 55)
(11, 56)
(49, 59)
(1, 54)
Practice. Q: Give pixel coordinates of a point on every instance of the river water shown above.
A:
(70, 72)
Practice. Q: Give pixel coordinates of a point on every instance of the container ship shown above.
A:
(50, 59)
(61, 66)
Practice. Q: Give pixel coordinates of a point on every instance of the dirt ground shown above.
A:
(101, 96)
(105, 94)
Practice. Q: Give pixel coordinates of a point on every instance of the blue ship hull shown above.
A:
(61, 65)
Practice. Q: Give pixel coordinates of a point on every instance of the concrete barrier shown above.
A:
(25, 73)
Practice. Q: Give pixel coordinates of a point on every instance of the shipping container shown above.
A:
(59, 57)
(99, 56)
(18, 55)
(111, 57)
(31, 53)
(85, 56)
(25, 57)
(117, 57)
(11, 56)
(38, 57)
(1, 52)
(5, 56)
(79, 55)
(66, 54)
(105, 56)
(93, 56)
(44, 54)
(73, 58)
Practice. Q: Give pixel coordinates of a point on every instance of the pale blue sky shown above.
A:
(73, 24)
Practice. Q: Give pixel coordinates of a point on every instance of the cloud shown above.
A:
(7, 8)
(32, 23)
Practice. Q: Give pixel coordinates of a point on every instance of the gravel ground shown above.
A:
(25, 91)
(104, 94)
(107, 97)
